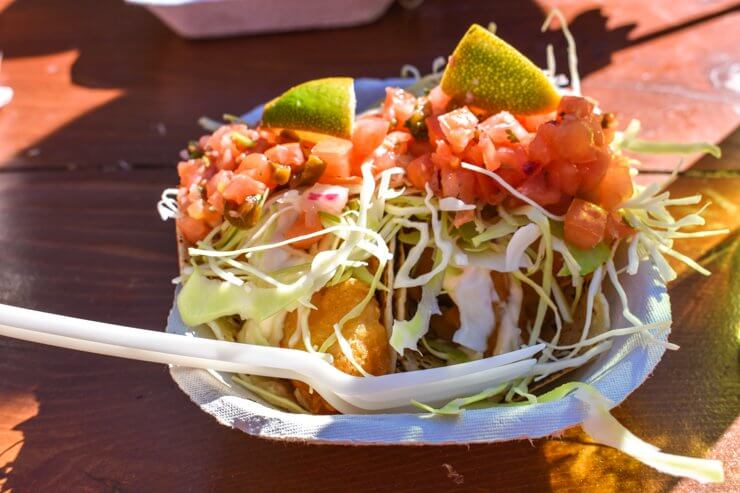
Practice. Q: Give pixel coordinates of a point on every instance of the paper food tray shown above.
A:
(615, 374)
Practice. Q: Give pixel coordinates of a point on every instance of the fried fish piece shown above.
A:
(366, 334)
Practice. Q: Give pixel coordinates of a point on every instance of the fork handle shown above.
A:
(148, 345)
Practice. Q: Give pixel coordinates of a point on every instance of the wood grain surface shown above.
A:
(106, 97)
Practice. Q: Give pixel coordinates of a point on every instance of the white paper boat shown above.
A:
(220, 18)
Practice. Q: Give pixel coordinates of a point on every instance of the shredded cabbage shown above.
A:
(604, 429)
(648, 147)
(167, 205)
(453, 204)
(546, 369)
(455, 406)
(500, 229)
(269, 397)
(575, 79)
(522, 239)
(405, 334)
(587, 260)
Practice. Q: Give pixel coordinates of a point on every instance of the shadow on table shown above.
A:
(101, 426)
(169, 82)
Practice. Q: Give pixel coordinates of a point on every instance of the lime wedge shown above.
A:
(322, 106)
(487, 72)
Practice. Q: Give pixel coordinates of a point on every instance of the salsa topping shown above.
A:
(560, 160)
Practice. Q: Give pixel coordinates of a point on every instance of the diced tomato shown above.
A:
(537, 189)
(190, 172)
(438, 100)
(616, 228)
(487, 190)
(488, 153)
(434, 129)
(383, 159)
(241, 187)
(458, 127)
(290, 154)
(513, 160)
(585, 224)
(458, 183)
(193, 230)
(219, 182)
(574, 142)
(200, 209)
(576, 106)
(419, 147)
(532, 122)
(195, 209)
(216, 200)
(540, 148)
(302, 227)
(444, 156)
(473, 154)
(336, 155)
(615, 187)
(564, 176)
(398, 105)
(503, 128)
(593, 172)
(225, 148)
(392, 152)
(466, 185)
(258, 167)
(420, 171)
(367, 135)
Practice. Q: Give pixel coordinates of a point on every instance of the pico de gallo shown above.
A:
(561, 160)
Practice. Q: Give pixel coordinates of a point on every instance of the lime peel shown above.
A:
(322, 106)
(487, 72)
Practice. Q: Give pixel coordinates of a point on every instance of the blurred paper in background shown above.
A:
(219, 18)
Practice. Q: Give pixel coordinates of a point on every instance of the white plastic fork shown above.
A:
(347, 393)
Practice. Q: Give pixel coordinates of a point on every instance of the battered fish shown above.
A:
(366, 335)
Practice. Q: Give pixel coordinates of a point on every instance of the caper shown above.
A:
(194, 149)
(312, 170)
(416, 123)
(245, 215)
(281, 173)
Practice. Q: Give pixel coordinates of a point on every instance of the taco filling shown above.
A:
(468, 215)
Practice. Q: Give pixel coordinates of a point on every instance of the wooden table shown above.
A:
(105, 98)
